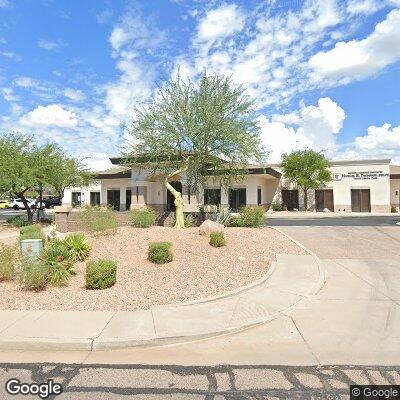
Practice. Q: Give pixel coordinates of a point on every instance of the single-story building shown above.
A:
(356, 186)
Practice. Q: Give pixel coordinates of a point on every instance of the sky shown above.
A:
(323, 74)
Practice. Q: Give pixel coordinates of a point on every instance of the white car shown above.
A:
(17, 204)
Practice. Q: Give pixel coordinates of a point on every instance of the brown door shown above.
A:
(365, 200)
(319, 200)
(360, 200)
(290, 199)
(328, 200)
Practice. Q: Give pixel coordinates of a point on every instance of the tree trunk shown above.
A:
(180, 219)
(27, 208)
(305, 199)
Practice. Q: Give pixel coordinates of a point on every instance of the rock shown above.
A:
(326, 210)
(295, 210)
(209, 226)
(241, 258)
(270, 211)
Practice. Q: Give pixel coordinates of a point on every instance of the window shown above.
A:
(259, 196)
(212, 196)
(76, 199)
(94, 198)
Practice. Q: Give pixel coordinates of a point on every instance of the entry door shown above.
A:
(324, 199)
(76, 199)
(290, 199)
(128, 199)
(113, 199)
(170, 197)
(360, 200)
(94, 198)
(237, 199)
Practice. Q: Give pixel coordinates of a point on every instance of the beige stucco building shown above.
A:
(356, 186)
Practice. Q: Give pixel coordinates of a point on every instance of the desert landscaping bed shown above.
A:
(197, 271)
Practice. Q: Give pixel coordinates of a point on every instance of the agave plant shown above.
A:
(78, 246)
(223, 216)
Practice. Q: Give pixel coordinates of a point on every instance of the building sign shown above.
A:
(362, 175)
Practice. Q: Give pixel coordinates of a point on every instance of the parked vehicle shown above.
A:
(17, 204)
(4, 204)
(49, 202)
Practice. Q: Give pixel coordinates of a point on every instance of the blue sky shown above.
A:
(324, 74)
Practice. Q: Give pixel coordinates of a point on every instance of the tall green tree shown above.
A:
(194, 128)
(26, 166)
(307, 169)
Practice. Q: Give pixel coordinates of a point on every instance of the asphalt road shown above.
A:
(389, 220)
(197, 383)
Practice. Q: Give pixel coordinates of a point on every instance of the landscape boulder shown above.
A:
(209, 226)
(326, 210)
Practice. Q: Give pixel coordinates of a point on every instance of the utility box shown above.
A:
(32, 247)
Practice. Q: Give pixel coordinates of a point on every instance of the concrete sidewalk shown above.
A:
(291, 280)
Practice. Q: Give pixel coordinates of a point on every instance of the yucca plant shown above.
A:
(78, 247)
(223, 216)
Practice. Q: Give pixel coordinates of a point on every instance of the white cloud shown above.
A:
(97, 161)
(314, 127)
(51, 115)
(25, 82)
(5, 4)
(11, 55)
(8, 94)
(74, 94)
(50, 45)
(220, 23)
(368, 6)
(357, 59)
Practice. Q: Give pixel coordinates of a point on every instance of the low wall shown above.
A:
(68, 219)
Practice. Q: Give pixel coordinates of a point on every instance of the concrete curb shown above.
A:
(225, 314)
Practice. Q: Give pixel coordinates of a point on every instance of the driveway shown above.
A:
(364, 238)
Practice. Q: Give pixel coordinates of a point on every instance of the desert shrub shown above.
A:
(17, 221)
(190, 221)
(160, 252)
(223, 216)
(217, 239)
(142, 217)
(34, 274)
(31, 232)
(101, 274)
(7, 262)
(57, 252)
(251, 217)
(98, 219)
(58, 274)
(277, 207)
(78, 247)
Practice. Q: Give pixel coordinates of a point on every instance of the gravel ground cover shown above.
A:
(197, 271)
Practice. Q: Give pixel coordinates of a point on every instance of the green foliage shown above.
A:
(307, 169)
(34, 274)
(98, 219)
(252, 216)
(26, 166)
(217, 239)
(223, 216)
(58, 274)
(8, 257)
(57, 252)
(143, 217)
(101, 274)
(33, 231)
(277, 206)
(78, 247)
(17, 221)
(160, 252)
(194, 126)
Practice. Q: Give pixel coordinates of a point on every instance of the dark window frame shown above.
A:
(212, 196)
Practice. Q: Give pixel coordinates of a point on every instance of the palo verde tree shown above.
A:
(194, 128)
(308, 169)
(25, 166)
